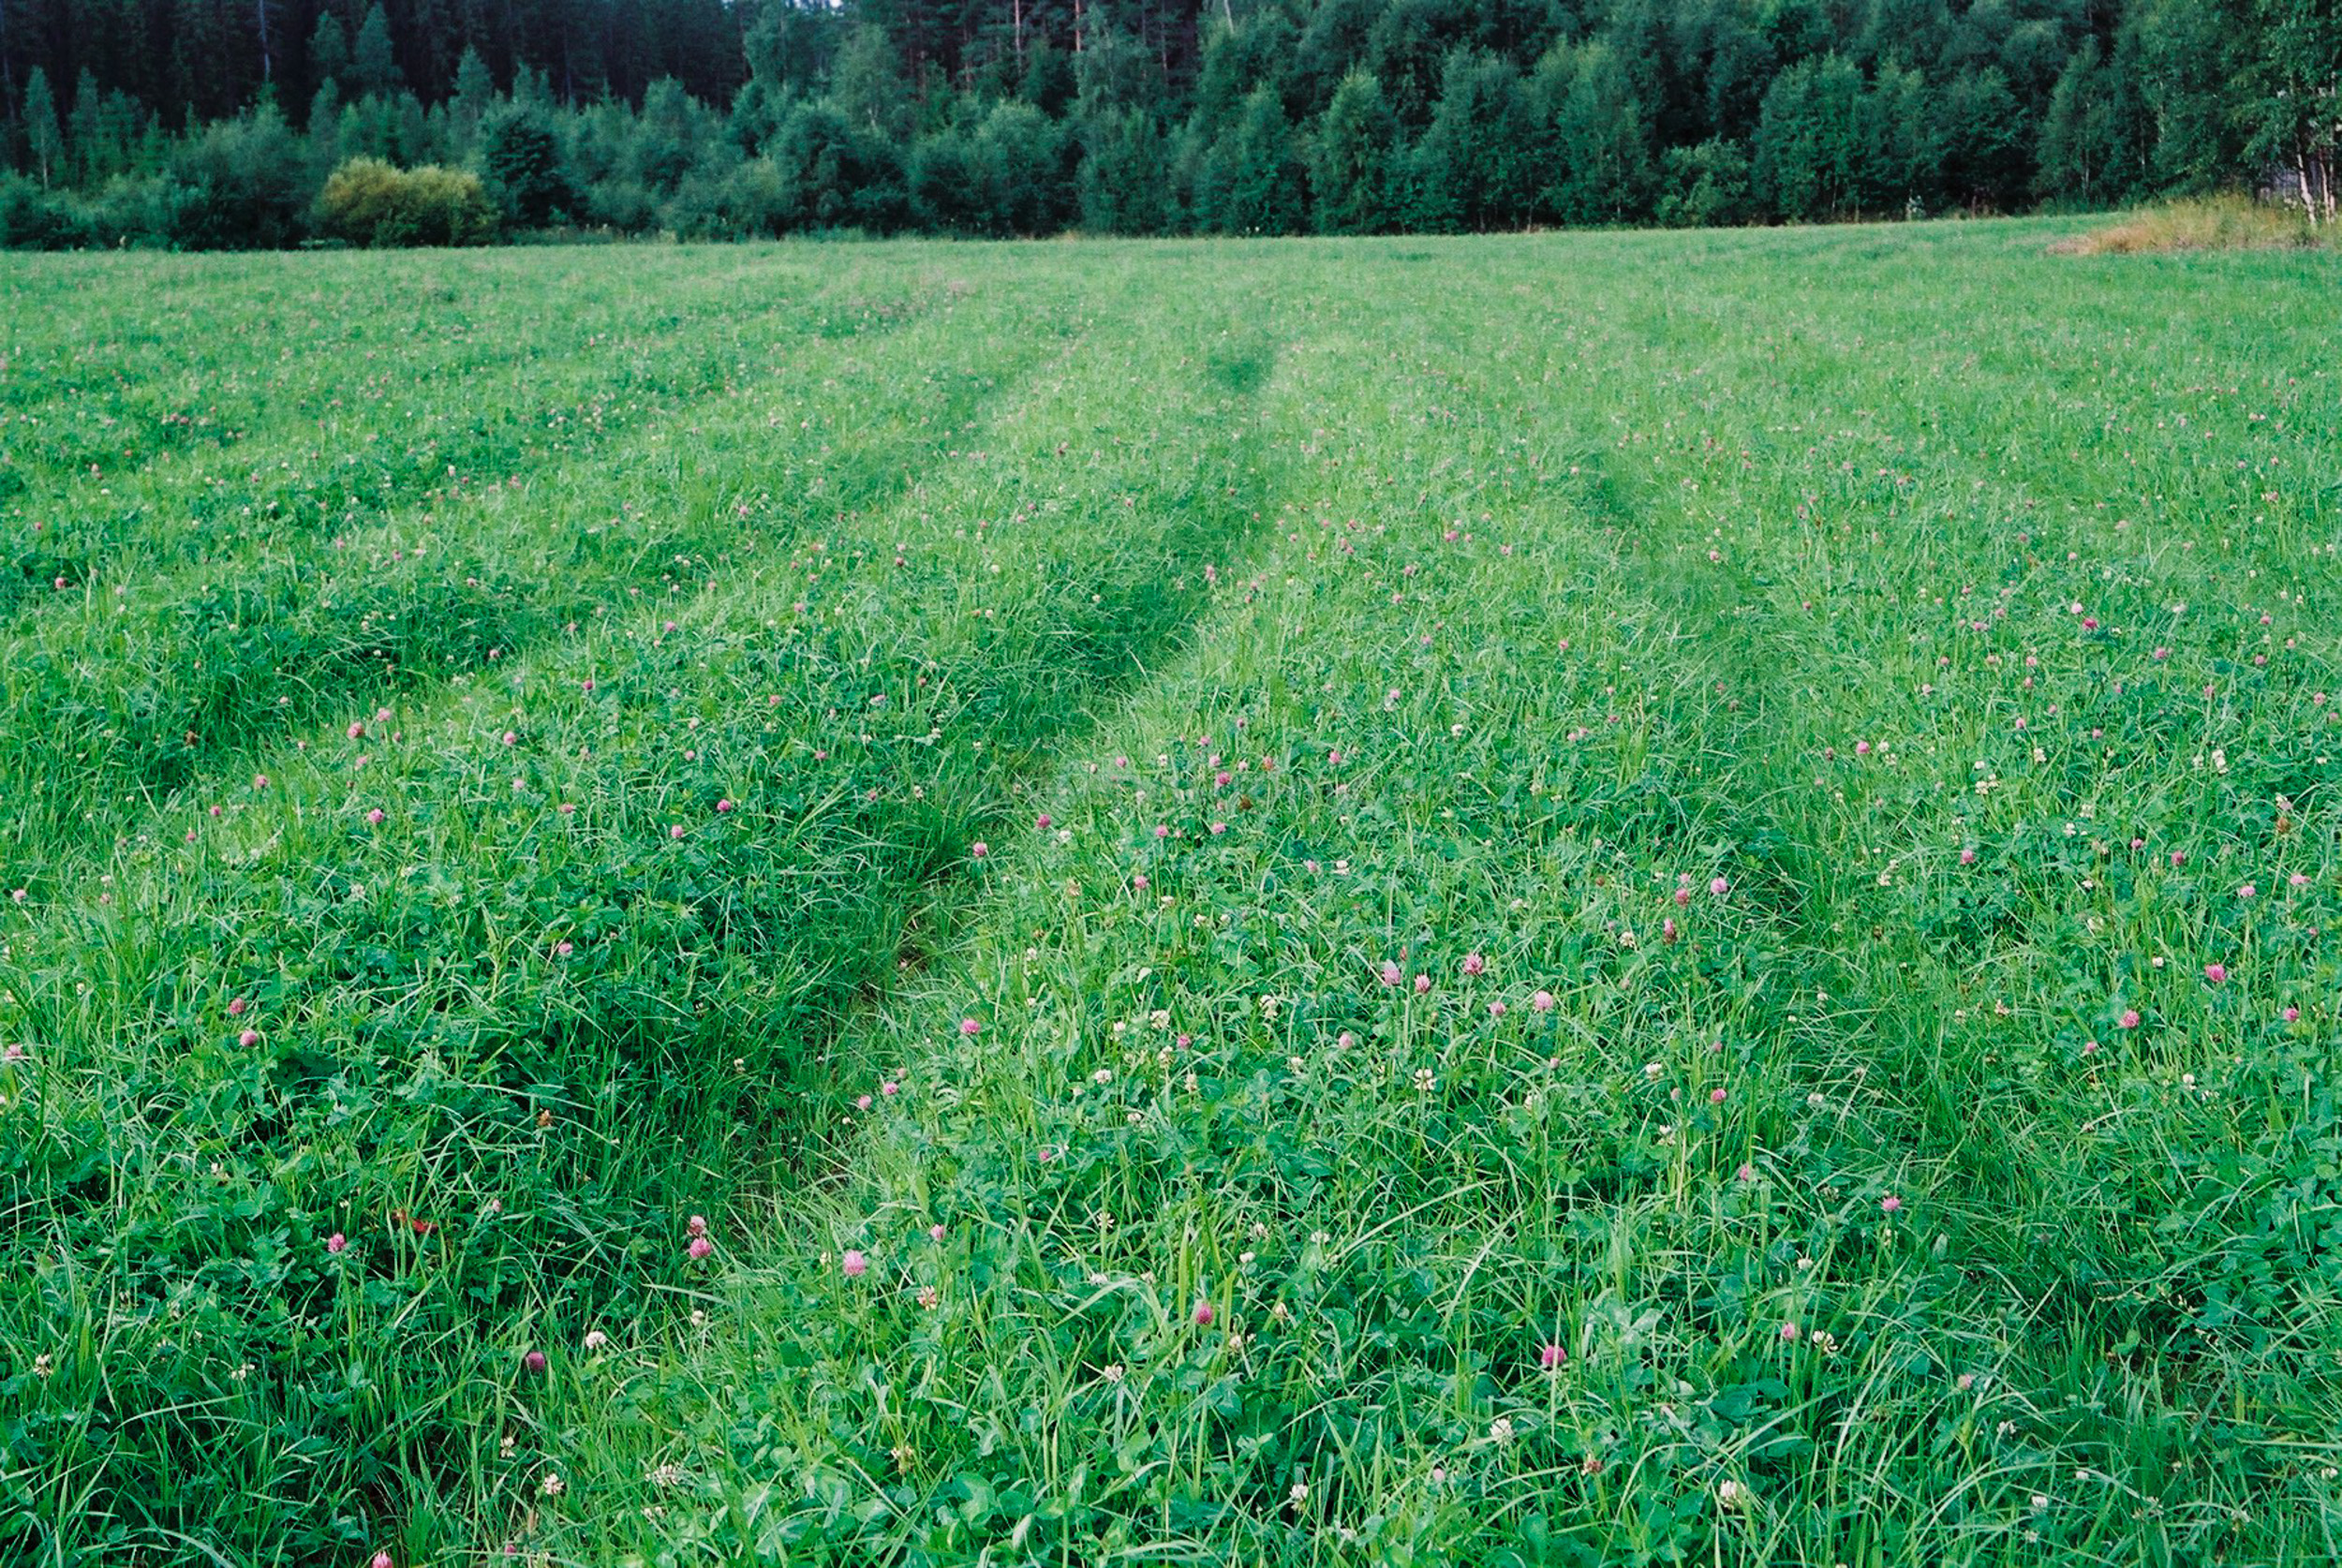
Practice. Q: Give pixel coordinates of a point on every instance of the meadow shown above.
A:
(1587, 898)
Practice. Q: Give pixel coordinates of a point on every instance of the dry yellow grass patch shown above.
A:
(2208, 223)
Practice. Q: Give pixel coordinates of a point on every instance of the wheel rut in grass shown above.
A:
(463, 411)
(275, 484)
(550, 1031)
(1037, 1375)
(199, 669)
(1944, 598)
(1324, 780)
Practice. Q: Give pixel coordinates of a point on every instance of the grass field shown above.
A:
(1578, 899)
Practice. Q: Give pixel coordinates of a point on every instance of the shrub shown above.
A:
(520, 161)
(839, 174)
(368, 202)
(625, 205)
(1705, 187)
(131, 210)
(241, 185)
(1021, 156)
(750, 202)
(945, 184)
(32, 218)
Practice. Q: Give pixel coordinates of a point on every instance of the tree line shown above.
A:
(225, 123)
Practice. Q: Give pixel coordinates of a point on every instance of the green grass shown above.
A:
(1807, 705)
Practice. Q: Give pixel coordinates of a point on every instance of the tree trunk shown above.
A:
(259, 8)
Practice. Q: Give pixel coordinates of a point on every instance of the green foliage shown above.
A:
(329, 47)
(751, 201)
(1122, 186)
(238, 184)
(1112, 71)
(788, 49)
(1020, 163)
(372, 66)
(1408, 47)
(944, 184)
(1250, 181)
(1977, 138)
(475, 89)
(1810, 149)
(2093, 134)
(2286, 97)
(44, 138)
(1706, 187)
(1492, 113)
(521, 166)
(1047, 83)
(1238, 59)
(1601, 160)
(2181, 47)
(838, 172)
(368, 202)
(1355, 161)
(1477, 165)
(668, 139)
(866, 84)
(34, 218)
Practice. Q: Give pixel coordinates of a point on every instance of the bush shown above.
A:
(520, 159)
(944, 184)
(625, 205)
(750, 202)
(131, 210)
(367, 203)
(1020, 157)
(32, 218)
(838, 175)
(241, 185)
(1706, 187)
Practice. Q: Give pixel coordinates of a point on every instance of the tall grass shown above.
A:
(2203, 224)
(1572, 899)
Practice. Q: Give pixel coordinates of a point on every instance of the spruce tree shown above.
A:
(92, 158)
(373, 61)
(329, 51)
(1121, 184)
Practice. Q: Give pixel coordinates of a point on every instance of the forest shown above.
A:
(254, 124)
